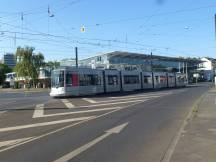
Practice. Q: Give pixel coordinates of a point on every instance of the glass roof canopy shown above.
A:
(154, 57)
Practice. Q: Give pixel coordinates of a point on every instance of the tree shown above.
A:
(214, 64)
(38, 61)
(3, 70)
(28, 64)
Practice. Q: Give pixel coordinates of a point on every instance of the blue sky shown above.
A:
(165, 27)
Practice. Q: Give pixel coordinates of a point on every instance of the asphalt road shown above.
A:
(136, 127)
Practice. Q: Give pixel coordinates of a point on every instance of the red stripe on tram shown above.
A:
(74, 80)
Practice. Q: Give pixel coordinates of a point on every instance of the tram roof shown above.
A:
(154, 57)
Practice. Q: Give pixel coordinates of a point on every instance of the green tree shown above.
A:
(38, 61)
(214, 64)
(28, 64)
(3, 70)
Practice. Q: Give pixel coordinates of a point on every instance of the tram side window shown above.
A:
(131, 79)
(99, 80)
(69, 79)
(88, 79)
(112, 80)
(81, 80)
(172, 78)
(147, 79)
(96, 80)
(162, 79)
(157, 79)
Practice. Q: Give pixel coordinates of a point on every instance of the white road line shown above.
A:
(112, 103)
(83, 148)
(13, 142)
(83, 111)
(44, 124)
(39, 111)
(89, 100)
(41, 114)
(2, 112)
(67, 103)
(131, 98)
(6, 103)
(146, 94)
(66, 127)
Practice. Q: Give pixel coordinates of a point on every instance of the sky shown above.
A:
(173, 28)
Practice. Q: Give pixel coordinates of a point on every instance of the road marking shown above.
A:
(39, 111)
(44, 124)
(171, 148)
(13, 142)
(113, 103)
(67, 103)
(131, 98)
(2, 112)
(68, 126)
(41, 114)
(212, 130)
(6, 103)
(83, 148)
(89, 100)
(146, 94)
(79, 112)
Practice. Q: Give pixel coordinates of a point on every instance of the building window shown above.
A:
(99, 58)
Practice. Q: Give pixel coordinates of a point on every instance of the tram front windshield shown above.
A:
(57, 78)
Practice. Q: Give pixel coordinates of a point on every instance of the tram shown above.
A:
(70, 81)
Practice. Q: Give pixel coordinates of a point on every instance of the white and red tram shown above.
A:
(69, 81)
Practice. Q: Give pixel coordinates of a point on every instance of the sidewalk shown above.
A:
(198, 141)
(31, 90)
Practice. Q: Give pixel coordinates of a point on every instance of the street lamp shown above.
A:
(152, 70)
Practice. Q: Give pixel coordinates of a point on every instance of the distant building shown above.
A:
(68, 62)
(9, 60)
(135, 61)
(206, 69)
(44, 78)
(206, 64)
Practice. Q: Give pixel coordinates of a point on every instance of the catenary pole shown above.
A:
(76, 55)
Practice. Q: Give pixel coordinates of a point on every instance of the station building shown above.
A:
(135, 61)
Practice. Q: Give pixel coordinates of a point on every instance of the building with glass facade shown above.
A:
(9, 60)
(135, 61)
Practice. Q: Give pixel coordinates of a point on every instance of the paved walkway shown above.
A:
(198, 141)
(11, 90)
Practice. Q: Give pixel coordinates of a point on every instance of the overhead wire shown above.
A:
(153, 15)
(122, 42)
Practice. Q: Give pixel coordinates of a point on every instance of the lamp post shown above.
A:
(76, 56)
(152, 71)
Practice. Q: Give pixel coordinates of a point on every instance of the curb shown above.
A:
(24, 91)
(190, 115)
